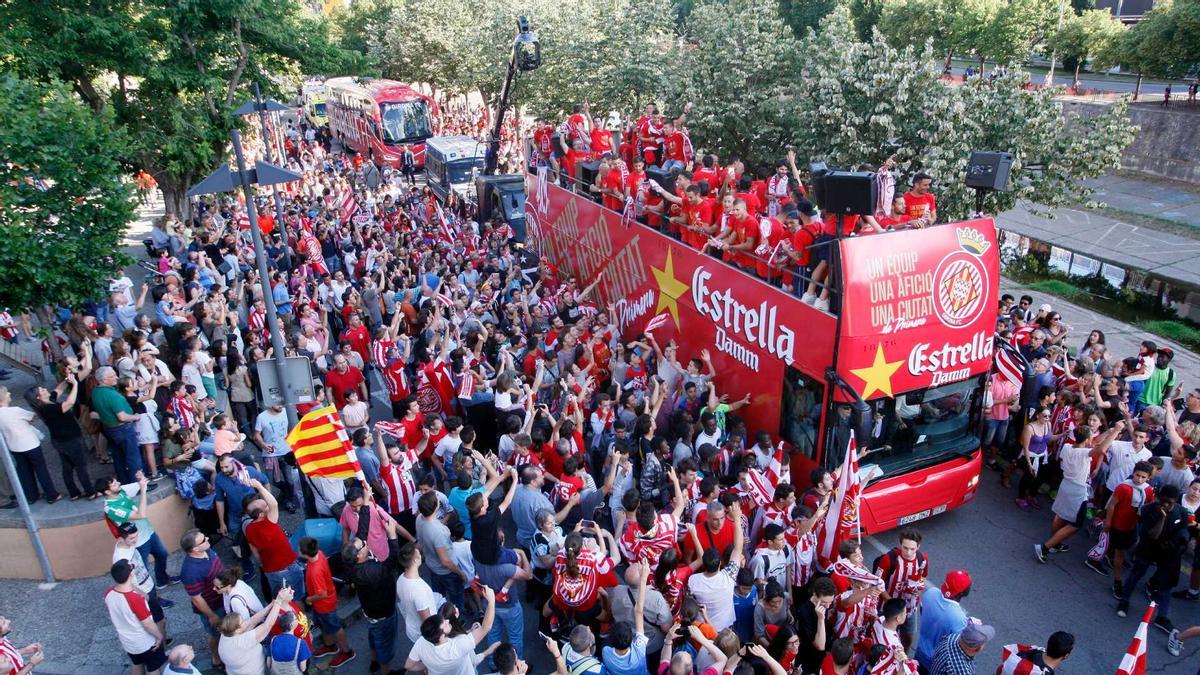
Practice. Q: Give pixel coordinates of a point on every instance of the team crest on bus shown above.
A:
(960, 282)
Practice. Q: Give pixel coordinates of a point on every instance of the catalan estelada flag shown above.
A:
(322, 447)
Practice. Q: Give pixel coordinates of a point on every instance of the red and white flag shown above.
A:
(1011, 662)
(1134, 661)
(393, 429)
(842, 521)
(348, 207)
(444, 299)
(1010, 365)
(776, 471)
(1022, 335)
(466, 386)
(445, 231)
(656, 323)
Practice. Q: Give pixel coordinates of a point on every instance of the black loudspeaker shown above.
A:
(664, 178)
(989, 170)
(849, 193)
(585, 178)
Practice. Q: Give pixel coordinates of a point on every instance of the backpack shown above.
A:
(185, 481)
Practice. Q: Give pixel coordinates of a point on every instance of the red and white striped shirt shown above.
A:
(1014, 664)
(649, 546)
(804, 548)
(185, 412)
(904, 578)
(397, 478)
(379, 350)
(579, 591)
(520, 459)
(10, 650)
(257, 321)
(888, 664)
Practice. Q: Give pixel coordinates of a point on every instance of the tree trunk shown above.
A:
(982, 61)
(946, 63)
(175, 196)
(1137, 88)
(1075, 82)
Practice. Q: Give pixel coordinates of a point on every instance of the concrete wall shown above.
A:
(1168, 144)
(81, 549)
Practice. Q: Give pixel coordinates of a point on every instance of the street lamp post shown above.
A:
(262, 107)
(264, 173)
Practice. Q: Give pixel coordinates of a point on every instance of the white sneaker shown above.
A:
(1174, 644)
(808, 298)
(821, 304)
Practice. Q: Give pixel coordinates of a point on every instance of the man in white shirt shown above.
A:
(1070, 506)
(136, 631)
(713, 587)
(414, 598)
(437, 654)
(1122, 456)
(143, 582)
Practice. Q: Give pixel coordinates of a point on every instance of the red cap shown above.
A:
(956, 582)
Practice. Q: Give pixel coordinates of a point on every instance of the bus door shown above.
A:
(801, 405)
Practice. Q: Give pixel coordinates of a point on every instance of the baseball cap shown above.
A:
(806, 207)
(1045, 307)
(126, 529)
(977, 634)
(956, 582)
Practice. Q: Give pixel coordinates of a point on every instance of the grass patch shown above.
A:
(1174, 330)
(1057, 287)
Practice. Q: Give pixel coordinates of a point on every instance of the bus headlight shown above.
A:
(973, 482)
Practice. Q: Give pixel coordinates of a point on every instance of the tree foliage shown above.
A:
(63, 206)
(853, 97)
(171, 70)
(1166, 42)
(1089, 35)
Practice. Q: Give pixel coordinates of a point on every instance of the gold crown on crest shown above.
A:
(972, 240)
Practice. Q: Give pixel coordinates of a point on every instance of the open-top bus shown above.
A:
(902, 362)
(378, 118)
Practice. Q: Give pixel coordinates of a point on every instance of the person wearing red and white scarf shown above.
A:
(1021, 659)
(778, 190)
(396, 473)
(885, 631)
(858, 590)
(802, 538)
(17, 656)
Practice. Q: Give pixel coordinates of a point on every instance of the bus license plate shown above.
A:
(921, 515)
(912, 518)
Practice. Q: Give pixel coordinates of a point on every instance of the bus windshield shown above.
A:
(458, 173)
(921, 427)
(406, 122)
(319, 108)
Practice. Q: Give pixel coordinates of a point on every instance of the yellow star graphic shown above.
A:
(669, 288)
(877, 376)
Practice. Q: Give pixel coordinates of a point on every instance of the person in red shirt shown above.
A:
(579, 126)
(753, 206)
(636, 187)
(601, 140)
(696, 217)
(899, 220)
(322, 597)
(771, 234)
(358, 336)
(717, 530)
(808, 250)
(742, 237)
(576, 152)
(1121, 515)
(543, 144)
(677, 148)
(919, 202)
(708, 172)
(343, 377)
(270, 544)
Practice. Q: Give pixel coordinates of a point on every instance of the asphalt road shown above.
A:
(1093, 81)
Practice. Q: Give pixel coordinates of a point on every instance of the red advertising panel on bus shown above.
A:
(920, 307)
(751, 329)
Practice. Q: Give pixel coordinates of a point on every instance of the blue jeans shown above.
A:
(381, 636)
(125, 451)
(449, 585)
(154, 547)
(995, 430)
(672, 164)
(514, 626)
(294, 576)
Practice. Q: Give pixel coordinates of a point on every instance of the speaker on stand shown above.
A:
(987, 171)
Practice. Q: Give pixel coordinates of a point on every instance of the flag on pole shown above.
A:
(1010, 364)
(776, 471)
(842, 520)
(446, 232)
(349, 206)
(321, 446)
(1134, 661)
(393, 429)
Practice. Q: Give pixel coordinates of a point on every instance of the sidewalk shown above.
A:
(1116, 240)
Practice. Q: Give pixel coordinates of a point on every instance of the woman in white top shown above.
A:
(190, 372)
(240, 649)
(236, 595)
(356, 413)
(25, 443)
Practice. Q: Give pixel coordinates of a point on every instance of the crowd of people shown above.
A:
(532, 460)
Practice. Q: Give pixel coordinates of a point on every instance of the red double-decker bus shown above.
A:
(902, 362)
(377, 118)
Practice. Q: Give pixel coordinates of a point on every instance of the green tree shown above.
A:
(853, 97)
(738, 69)
(1016, 30)
(1087, 36)
(171, 70)
(63, 206)
(802, 15)
(1166, 42)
